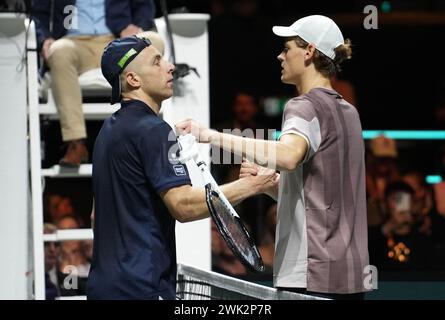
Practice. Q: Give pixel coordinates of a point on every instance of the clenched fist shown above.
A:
(202, 134)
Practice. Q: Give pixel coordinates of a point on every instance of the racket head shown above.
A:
(233, 231)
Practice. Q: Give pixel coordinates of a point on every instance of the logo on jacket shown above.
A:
(179, 170)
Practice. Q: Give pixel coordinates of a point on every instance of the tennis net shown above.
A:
(197, 284)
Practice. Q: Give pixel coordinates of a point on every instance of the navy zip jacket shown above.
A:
(119, 14)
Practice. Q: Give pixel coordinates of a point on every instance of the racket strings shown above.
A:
(231, 225)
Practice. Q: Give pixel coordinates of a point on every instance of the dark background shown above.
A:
(397, 71)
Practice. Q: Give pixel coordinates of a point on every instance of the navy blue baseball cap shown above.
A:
(116, 56)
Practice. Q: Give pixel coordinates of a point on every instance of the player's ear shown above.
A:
(132, 79)
(310, 51)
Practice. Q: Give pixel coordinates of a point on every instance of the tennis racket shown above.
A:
(226, 219)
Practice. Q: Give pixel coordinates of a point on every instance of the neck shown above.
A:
(312, 79)
(140, 95)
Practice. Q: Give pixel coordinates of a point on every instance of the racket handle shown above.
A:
(188, 149)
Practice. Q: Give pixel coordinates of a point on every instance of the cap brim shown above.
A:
(284, 31)
(116, 91)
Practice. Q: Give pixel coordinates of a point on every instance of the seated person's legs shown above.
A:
(67, 59)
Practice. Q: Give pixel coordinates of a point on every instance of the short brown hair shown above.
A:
(325, 65)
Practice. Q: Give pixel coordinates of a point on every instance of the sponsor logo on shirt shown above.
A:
(179, 170)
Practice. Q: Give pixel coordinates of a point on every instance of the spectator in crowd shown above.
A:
(422, 202)
(397, 244)
(244, 123)
(72, 252)
(245, 111)
(72, 261)
(71, 41)
(57, 206)
(381, 170)
(51, 261)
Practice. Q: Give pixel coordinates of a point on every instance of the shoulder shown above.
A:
(301, 106)
(153, 125)
(350, 107)
(300, 101)
(156, 132)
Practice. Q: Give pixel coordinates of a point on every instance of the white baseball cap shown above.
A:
(318, 30)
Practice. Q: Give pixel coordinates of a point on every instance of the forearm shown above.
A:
(194, 206)
(271, 154)
(239, 190)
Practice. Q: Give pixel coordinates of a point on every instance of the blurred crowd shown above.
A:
(406, 215)
(65, 259)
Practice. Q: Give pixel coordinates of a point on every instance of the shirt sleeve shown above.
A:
(159, 149)
(300, 118)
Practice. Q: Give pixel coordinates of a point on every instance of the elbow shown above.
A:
(180, 215)
(289, 165)
(183, 212)
(186, 204)
(291, 160)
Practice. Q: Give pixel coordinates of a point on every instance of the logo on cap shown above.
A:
(124, 59)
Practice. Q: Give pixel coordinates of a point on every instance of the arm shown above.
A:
(285, 154)
(187, 203)
(184, 202)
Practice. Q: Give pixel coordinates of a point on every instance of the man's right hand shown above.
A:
(45, 48)
(269, 179)
(202, 134)
(248, 169)
(130, 30)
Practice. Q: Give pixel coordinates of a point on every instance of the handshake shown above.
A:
(261, 179)
(251, 170)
